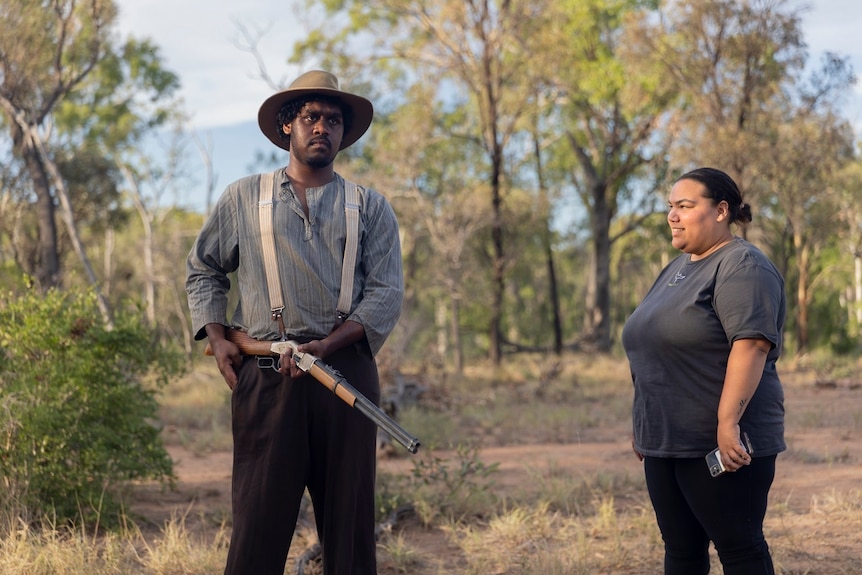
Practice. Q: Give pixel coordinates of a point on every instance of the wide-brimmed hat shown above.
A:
(314, 82)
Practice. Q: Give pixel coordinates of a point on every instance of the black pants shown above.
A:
(693, 508)
(292, 434)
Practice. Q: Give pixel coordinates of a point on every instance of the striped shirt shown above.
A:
(309, 251)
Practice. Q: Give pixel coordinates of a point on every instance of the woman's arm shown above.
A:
(744, 370)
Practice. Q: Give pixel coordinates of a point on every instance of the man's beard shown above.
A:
(318, 162)
(316, 159)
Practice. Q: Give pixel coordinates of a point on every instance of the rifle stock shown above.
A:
(247, 345)
(328, 376)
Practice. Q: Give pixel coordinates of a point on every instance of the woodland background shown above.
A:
(527, 147)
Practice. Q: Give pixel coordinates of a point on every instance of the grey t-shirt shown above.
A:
(678, 341)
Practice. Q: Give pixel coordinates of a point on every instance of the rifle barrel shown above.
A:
(371, 411)
(336, 383)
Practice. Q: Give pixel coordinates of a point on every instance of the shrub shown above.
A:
(77, 418)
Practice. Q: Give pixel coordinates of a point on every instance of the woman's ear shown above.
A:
(723, 209)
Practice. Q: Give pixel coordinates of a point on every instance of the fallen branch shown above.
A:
(309, 556)
(308, 560)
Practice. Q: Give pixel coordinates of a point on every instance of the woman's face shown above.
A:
(697, 224)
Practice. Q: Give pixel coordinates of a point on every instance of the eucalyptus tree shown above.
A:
(849, 190)
(47, 50)
(434, 188)
(479, 55)
(612, 104)
(740, 66)
(74, 98)
(807, 151)
(809, 147)
(115, 115)
(545, 201)
(733, 60)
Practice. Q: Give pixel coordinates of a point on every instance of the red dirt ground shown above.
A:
(821, 466)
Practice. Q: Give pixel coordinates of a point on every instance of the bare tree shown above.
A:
(31, 141)
(206, 151)
(47, 49)
(732, 60)
(149, 180)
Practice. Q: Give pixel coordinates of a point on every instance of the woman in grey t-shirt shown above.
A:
(702, 347)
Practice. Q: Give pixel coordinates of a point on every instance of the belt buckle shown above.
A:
(268, 362)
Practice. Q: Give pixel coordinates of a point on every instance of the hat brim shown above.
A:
(267, 116)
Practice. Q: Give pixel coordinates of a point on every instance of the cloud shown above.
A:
(222, 90)
(199, 41)
(220, 85)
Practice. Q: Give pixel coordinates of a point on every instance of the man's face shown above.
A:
(315, 134)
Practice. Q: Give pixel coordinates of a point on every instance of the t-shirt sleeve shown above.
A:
(747, 301)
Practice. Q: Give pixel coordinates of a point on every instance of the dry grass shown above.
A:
(195, 412)
(45, 550)
(549, 516)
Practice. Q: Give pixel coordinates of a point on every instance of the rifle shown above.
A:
(328, 376)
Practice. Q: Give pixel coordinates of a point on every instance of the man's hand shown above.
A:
(286, 364)
(345, 334)
(228, 357)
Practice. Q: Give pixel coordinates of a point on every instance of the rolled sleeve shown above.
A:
(213, 256)
(382, 292)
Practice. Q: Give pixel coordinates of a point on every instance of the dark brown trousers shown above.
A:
(290, 435)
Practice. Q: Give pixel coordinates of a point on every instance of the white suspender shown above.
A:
(270, 262)
(348, 263)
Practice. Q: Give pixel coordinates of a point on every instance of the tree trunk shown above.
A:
(857, 288)
(455, 322)
(108, 261)
(32, 141)
(48, 263)
(597, 317)
(441, 326)
(802, 255)
(553, 293)
(149, 266)
(557, 320)
(499, 284)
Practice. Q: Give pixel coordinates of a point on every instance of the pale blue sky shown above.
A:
(222, 92)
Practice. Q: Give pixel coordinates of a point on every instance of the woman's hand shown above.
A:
(744, 370)
(639, 455)
(733, 452)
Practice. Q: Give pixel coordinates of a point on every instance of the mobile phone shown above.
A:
(713, 461)
(713, 458)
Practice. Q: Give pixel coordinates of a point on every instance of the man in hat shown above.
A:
(290, 433)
